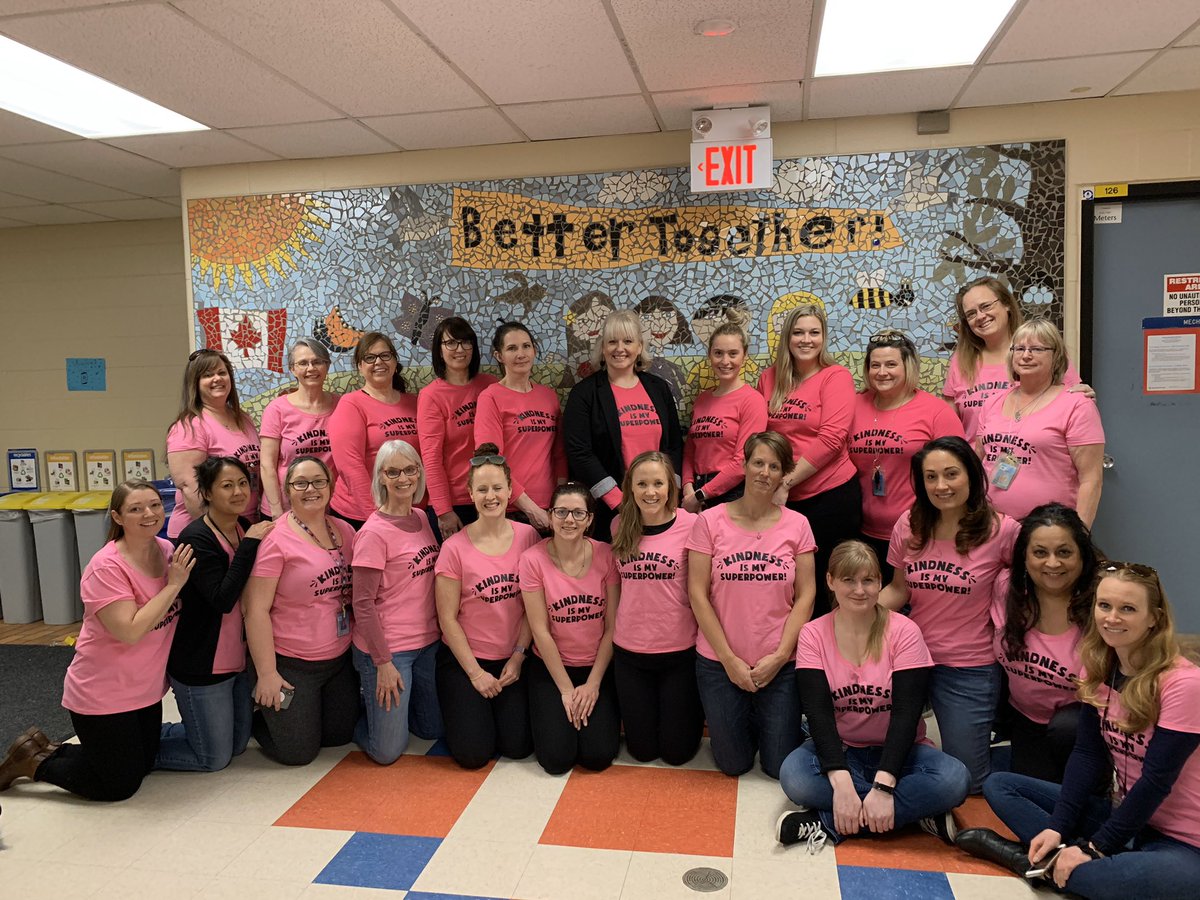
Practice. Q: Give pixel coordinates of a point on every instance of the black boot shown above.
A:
(986, 844)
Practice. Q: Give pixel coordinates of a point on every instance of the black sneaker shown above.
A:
(940, 827)
(801, 826)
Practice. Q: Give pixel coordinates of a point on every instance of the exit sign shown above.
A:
(731, 166)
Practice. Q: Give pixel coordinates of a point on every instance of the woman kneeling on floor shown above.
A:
(863, 676)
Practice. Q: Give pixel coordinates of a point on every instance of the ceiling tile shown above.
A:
(94, 161)
(455, 128)
(770, 43)
(52, 187)
(370, 64)
(12, 223)
(1175, 70)
(582, 118)
(340, 137)
(1034, 82)
(1049, 29)
(1191, 39)
(526, 50)
(16, 7)
(786, 99)
(130, 209)
(193, 148)
(55, 215)
(884, 93)
(16, 200)
(157, 52)
(16, 129)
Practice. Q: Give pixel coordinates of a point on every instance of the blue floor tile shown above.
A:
(860, 883)
(388, 861)
(439, 748)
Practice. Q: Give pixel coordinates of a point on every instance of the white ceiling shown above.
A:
(292, 79)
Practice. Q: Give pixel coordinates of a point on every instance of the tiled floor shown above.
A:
(424, 829)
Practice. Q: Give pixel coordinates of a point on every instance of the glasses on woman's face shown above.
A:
(303, 484)
(311, 363)
(407, 472)
(562, 512)
(981, 310)
(1036, 351)
(386, 356)
(454, 346)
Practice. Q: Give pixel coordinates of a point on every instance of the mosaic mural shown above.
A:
(881, 239)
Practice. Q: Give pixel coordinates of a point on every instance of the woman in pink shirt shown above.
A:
(297, 608)
(1139, 728)
(1039, 441)
(893, 419)
(988, 315)
(722, 420)
(446, 421)
(1039, 624)
(654, 646)
(382, 410)
(210, 423)
(949, 550)
(750, 581)
(117, 679)
(570, 586)
(395, 619)
(863, 674)
(810, 401)
(522, 418)
(485, 636)
(296, 424)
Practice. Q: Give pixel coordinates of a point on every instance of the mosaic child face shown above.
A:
(587, 324)
(659, 327)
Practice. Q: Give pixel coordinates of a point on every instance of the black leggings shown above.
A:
(660, 704)
(835, 515)
(477, 728)
(1041, 751)
(114, 754)
(555, 741)
(323, 711)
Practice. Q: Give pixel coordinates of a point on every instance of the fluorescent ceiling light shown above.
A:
(37, 86)
(859, 37)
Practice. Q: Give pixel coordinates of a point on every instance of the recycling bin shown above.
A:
(57, 557)
(90, 511)
(20, 595)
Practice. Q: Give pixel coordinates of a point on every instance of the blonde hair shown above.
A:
(1047, 332)
(629, 532)
(784, 365)
(847, 560)
(970, 345)
(892, 339)
(623, 323)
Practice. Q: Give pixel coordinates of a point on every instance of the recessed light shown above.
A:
(714, 28)
(1081, 90)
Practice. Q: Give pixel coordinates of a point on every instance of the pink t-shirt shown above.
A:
(107, 675)
(230, 655)
(1041, 443)
(577, 606)
(1044, 676)
(641, 429)
(313, 585)
(446, 423)
(655, 614)
(205, 434)
(887, 440)
(968, 399)
(299, 433)
(526, 429)
(951, 594)
(751, 588)
(359, 426)
(490, 608)
(406, 607)
(1178, 816)
(816, 419)
(862, 694)
(718, 433)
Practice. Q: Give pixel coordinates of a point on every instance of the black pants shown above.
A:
(1041, 751)
(322, 713)
(114, 754)
(835, 516)
(734, 493)
(356, 524)
(466, 514)
(556, 743)
(886, 569)
(477, 728)
(660, 704)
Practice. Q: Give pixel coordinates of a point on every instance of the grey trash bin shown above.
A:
(91, 524)
(20, 598)
(57, 557)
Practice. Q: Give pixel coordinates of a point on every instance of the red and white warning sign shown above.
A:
(1181, 294)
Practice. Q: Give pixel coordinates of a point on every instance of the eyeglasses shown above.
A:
(310, 363)
(453, 345)
(1112, 566)
(407, 472)
(1036, 351)
(386, 356)
(303, 484)
(981, 310)
(561, 512)
(494, 459)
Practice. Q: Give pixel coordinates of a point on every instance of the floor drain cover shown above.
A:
(705, 880)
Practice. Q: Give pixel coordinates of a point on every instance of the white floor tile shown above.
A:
(114, 843)
(475, 867)
(513, 805)
(580, 874)
(287, 855)
(249, 802)
(21, 877)
(199, 848)
(660, 876)
(993, 887)
(798, 875)
(139, 884)
(40, 829)
(240, 888)
(760, 802)
(342, 892)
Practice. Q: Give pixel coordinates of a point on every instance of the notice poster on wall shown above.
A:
(1170, 355)
(23, 470)
(61, 474)
(138, 465)
(1181, 294)
(101, 469)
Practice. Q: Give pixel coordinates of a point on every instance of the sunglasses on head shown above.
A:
(1112, 566)
(889, 337)
(494, 459)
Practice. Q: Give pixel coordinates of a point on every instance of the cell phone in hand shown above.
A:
(285, 697)
(1045, 864)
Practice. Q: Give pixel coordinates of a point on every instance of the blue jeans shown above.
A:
(383, 734)
(215, 726)
(931, 782)
(1157, 866)
(740, 723)
(964, 700)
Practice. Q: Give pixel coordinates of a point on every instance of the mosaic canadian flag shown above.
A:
(251, 338)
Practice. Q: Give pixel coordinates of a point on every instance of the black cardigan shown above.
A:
(212, 590)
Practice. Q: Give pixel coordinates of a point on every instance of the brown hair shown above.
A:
(629, 533)
(776, 443)
(201, 364)
(970, 345)
(488, 449)
(120, 494)
(363, 347)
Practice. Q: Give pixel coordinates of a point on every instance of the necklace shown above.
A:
(584, 562)
(335, 550)
(221, 531)
(1017, 415)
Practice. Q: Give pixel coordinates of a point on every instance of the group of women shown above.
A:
(423, 566)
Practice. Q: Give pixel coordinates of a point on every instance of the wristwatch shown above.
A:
(699, 495)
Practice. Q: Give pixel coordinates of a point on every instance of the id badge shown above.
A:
(1005, 472)
(343, 622)
(878, 487)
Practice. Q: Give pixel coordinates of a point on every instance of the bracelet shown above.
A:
(519, 649)
(883, 788)
(1088, 850)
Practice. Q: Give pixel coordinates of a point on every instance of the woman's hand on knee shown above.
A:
(388, 685)
(847, 806)
(879, 811)
(740, 673)
(486, 684)
(268, 692)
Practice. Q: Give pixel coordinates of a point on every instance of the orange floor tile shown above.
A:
(912, 850)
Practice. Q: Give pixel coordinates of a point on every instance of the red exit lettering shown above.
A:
(728, 164)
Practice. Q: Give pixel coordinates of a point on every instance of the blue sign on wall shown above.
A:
(86, 375)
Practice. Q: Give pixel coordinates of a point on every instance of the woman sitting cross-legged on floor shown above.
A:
(863, 677)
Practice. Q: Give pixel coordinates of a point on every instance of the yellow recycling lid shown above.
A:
(52, 500)
(90, 500)
(19, 499)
